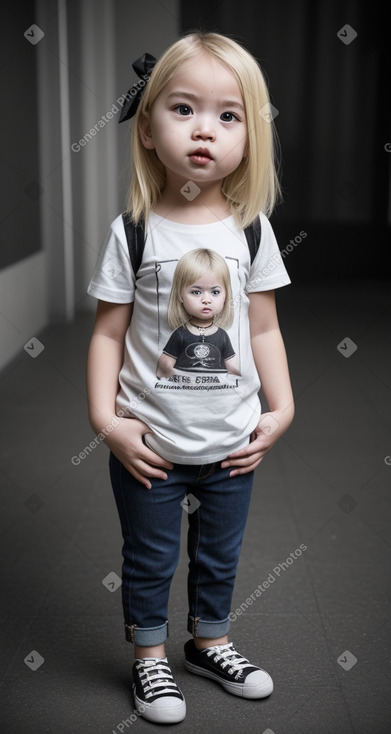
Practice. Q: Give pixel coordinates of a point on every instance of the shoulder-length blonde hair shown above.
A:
(190, 267)
(253, 186)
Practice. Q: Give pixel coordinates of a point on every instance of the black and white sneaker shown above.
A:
(157, 696)
(228, 667)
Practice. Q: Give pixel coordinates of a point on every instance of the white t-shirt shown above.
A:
(196, 416)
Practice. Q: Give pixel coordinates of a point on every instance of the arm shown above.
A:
(165, 365)
(272, 366)
(104, 362)
(232, 365)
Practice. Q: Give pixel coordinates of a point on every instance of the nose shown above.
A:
(204, 130)
(206, 298)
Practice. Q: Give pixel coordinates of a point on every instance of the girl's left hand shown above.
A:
(269, 429)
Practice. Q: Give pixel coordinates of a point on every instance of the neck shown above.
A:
(210, 205)
(202, 325)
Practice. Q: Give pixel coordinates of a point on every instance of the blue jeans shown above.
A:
(217, 508)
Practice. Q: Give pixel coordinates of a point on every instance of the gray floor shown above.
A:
(321, 628)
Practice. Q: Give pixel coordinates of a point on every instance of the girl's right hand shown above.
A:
(126, 443)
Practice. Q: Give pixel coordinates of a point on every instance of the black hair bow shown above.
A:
(143, 67)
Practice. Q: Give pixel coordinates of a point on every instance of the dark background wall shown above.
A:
(20, 188)
(333, 123)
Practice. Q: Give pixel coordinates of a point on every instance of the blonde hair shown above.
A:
(253, 186)
(190, 267)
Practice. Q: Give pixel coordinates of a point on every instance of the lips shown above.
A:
(201, 155)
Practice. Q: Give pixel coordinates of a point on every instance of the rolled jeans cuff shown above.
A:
(200, 628)
(146, 636)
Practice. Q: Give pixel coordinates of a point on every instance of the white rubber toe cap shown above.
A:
(165, 710)
(258, 684)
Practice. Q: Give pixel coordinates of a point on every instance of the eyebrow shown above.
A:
(223, 103)
(212, 288)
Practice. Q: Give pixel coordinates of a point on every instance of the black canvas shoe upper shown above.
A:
(224, 660)
(153, 679)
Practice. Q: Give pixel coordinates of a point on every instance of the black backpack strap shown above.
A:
(253, 236)
(135, 237)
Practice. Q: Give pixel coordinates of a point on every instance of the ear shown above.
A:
(145, 131)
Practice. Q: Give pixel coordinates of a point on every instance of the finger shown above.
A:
(149, 470)
(140, 477)
(257, 445)
(143, 472)
(245, 470)
(153, 459)
(233, 458)
(243, 460)
(243, 463)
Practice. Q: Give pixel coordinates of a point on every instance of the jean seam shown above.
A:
(198, 480)
(198, 572)
(131, 628)
(128, 592)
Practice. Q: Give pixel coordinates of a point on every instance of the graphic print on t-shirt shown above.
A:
(198, 354)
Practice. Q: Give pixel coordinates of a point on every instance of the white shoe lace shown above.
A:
(226, 655)
(154, 674)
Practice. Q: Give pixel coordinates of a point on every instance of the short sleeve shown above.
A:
(227, 351)
(113, 278)
(267, 270)
(174, 344)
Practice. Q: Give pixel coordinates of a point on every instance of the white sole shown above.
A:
(237, 689)
(161, 714)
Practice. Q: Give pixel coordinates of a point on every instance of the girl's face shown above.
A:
(205, 298)
(198, 124)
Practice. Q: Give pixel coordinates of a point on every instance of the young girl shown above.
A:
(203, 171)
(199, 300)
